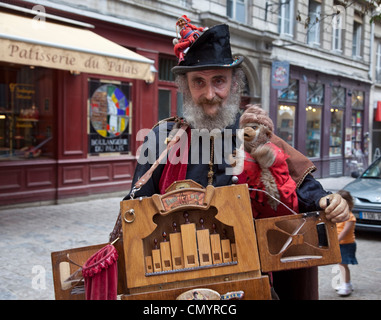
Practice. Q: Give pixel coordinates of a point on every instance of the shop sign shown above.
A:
(98, 144)
(57, 58)
(280, 74)
(36, 42)
(23, 91)
(109, 120)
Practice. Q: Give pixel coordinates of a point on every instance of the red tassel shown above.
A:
(100, 273)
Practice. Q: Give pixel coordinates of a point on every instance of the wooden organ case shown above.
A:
(297, 241)
(191, 237)
(195, 239)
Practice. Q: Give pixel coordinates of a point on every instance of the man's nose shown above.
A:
(210, 92)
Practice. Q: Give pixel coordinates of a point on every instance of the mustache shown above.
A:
(214, 100)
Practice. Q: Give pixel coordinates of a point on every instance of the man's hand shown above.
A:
(338, 210)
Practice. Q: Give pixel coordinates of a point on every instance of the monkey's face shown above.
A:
(254, 135)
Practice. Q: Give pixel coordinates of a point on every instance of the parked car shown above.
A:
(366, 190)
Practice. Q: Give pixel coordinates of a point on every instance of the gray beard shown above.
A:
(226, 116)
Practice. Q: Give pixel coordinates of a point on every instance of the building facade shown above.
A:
(330, 83)
(67, 133)
(323, 109)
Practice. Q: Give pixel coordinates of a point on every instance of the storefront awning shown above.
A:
(31, 41)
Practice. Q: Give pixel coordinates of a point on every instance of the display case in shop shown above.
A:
(313, 131)
(285, 123)
(313, 139)
(336, 132)
(20, 133)
(356, 123)
(287, 131)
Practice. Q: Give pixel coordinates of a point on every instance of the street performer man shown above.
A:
(211, 82)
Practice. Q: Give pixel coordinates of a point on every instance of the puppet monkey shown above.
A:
(264, 166)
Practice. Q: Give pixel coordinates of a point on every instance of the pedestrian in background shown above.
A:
(346, 234)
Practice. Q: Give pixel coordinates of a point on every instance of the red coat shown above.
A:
(286, 185)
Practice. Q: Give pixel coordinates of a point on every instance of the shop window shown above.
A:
(287, 97)
(109, 117)
(289, 94)
(286, 123)
(315, 100)
(337, 96)
(313, 117)
(357, 121)
(315, 93)
(236, 10)
(26, 113)
(336, 132)
(358, 100)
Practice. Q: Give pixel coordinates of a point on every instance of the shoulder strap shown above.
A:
(179, 129)
(170, 119)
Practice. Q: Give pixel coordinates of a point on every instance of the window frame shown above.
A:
(286, 8)
(337, 32)
(311, 130)
(334, 148)
(166, 82)
(378, 62)
(27, 113)
(314, 29)
(356, 41)
(233, 14)
(357, 120)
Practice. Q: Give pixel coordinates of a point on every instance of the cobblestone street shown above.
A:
(29, 235)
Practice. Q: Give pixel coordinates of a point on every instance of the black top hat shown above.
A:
(210, 51)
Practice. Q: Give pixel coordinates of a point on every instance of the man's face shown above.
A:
(210, 89)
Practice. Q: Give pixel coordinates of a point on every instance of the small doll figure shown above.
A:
(188, 35)
(265, 167)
